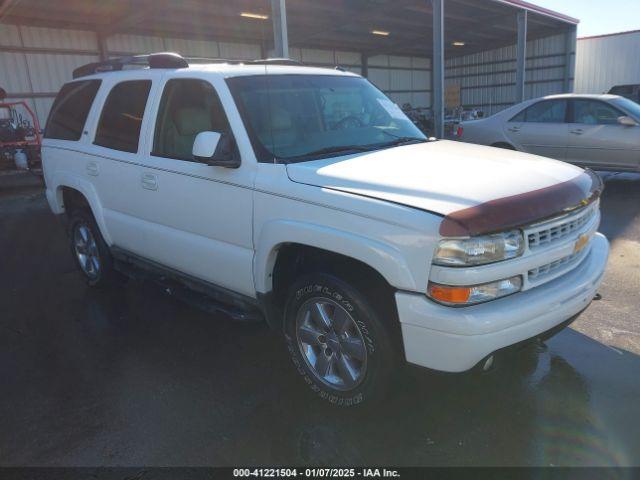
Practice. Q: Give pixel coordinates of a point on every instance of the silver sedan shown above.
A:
(597, 131)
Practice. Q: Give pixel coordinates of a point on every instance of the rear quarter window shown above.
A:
(70, 110)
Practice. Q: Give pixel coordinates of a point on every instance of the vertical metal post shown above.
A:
(569, 64)
(521, 56)
(102, 47)
(437, 66)
(280, 37)
(364, 61)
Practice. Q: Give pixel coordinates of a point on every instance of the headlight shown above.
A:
(470, 295)
(479, 250)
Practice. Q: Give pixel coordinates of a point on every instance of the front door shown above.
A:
(540, 129)
(597, 140)
(197, 218)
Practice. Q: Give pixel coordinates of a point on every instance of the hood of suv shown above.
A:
(450, 178)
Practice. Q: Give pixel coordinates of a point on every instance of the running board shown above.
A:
(201, 295)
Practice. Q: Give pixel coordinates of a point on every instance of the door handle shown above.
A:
(514, 129)
(92, 169)
(149, 181)
(577, 131)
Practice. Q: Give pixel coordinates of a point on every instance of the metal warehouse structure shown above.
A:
(605, 61)
(491, 52)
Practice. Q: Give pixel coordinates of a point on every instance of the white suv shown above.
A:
(304, 196)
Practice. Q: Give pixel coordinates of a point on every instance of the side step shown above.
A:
(206, 297)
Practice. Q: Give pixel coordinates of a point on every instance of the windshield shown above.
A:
(295, 118)
(630, 106)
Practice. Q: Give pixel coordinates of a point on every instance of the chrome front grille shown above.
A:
(559, 229)
(542, 272)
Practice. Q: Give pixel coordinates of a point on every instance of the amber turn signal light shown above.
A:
(446, 294)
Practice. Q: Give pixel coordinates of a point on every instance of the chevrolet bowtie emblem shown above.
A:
(581, 243)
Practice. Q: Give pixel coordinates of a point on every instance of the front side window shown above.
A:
(590, 112)
(121, 119)
(548, 111)
(187, 107)
(631, 107)
(70, 110)
(294, 118)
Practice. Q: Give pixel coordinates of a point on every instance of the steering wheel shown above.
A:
(349, 122)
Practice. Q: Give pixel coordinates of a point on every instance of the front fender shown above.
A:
(385, 259)
(86, 188)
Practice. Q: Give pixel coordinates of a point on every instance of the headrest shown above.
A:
(192, 120)
(280, 119)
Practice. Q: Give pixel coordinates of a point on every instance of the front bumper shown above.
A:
(456, 339)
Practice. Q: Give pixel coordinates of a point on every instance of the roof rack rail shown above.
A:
(153, 60)
(237, 61)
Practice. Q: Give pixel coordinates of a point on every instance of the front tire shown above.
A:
(338, 341)
(90, 252)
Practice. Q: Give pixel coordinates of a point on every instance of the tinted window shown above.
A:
(592, 112)
(552, 111)
(519, 117)
(70, 109)
(121, 118)
(187, 108)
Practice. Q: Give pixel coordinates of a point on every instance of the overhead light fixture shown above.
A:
(380, 32)
(458, 44)
(258, 16)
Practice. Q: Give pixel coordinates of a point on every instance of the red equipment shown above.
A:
(20, 138)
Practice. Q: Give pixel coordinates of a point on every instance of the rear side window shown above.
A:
(550, 111)
(70, 110)
(121, 119)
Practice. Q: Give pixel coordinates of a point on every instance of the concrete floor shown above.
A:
(134, 377)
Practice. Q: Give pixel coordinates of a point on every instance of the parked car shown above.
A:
(595, 131)
(632, 92)
(305, 197)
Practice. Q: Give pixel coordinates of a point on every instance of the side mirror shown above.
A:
(627, 121)
(216, 149)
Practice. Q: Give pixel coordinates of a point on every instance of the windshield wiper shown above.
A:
(397, 140)
(343, 149)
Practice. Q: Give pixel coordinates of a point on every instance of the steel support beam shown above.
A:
(521, 56)
(364, 60)
(438, 67)
(569, 64)
(280, 36)
(102, 47)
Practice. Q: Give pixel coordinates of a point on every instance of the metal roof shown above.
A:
(329, 24)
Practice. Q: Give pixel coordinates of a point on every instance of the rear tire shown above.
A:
(338, 341)
(90, 252)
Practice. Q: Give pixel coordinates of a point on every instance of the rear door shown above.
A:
(540, 129)
(597, 140)
(113, 166)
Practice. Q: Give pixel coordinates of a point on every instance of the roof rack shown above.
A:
(169, 60)
(235, 61)
(153, 60)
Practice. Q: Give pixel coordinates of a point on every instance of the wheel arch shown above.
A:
(386, 260)
(68, 188)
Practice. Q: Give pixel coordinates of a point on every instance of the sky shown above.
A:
(598, 17)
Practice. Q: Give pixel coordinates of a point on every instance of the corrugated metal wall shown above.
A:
(604, 62)
(487, 79)
(35, 62)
